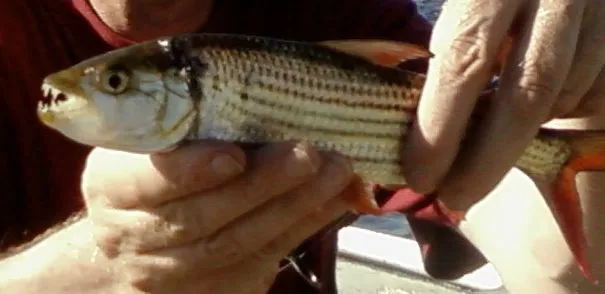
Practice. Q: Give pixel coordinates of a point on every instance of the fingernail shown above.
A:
(338, 170)
(226, 166)
(300, 163)
(342, 162)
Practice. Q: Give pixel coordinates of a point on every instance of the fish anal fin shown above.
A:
(381, 52)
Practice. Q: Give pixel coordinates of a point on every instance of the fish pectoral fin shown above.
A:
(381, 52)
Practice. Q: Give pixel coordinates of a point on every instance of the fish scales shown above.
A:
(291, 91)
(256, 97)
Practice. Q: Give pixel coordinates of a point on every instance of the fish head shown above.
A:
(132, 99)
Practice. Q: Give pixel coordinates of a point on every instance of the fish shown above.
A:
(351, 96)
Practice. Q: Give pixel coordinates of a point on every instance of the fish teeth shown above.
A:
(52, 93)
(52, 103)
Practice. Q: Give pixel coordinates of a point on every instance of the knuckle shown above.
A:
(150, 272)
(252, 185)
(536, 88)
(468, 56)
(537, 92)
(273, 248)
(141, 278)
(225, 247)
(109, 240)
(563, 106)
(529, 106)
(252, 188)
(180, 224)
(537, 80)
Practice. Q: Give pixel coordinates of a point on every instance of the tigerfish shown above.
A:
(350, 96)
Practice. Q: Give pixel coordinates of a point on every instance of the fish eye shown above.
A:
(115, 81)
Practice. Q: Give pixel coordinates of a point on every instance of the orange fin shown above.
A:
(588, 155)
(361, 195)
(403, 199)
(384, 53)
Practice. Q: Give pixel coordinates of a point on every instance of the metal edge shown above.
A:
(400, 254)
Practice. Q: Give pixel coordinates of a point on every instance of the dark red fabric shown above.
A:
(40, 170)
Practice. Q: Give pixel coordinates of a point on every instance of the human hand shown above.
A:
(194, 221)
(555, 69)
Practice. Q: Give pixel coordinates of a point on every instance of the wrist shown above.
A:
(65, 262)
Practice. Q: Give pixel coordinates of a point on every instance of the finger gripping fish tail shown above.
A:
(588, 155)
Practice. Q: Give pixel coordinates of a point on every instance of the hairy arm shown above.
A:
(62, 260)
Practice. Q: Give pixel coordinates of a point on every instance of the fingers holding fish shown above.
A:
(274, 228)
(287, 192)
(590, 92)
(259, 247)
(146, 181)
(585, 78)
(272, 171)
(530, 83)
(465, 45)
(541, 56)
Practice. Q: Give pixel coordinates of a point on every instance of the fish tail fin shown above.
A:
(588, 154)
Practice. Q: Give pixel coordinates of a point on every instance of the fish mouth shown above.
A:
(52, 97)
(57, 104)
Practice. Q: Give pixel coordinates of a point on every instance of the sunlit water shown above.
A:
(396, 224)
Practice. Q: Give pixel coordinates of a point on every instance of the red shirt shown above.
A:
(40, 169)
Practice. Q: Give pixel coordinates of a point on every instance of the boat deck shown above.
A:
(372, 262)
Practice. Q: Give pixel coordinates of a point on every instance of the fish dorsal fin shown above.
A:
(381, 52)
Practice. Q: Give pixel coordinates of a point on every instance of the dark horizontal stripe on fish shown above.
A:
(349, 103)
(406, 117)
(376, 160)
(359, 159)
(299, 127)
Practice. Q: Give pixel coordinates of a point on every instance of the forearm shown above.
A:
(65, 262)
